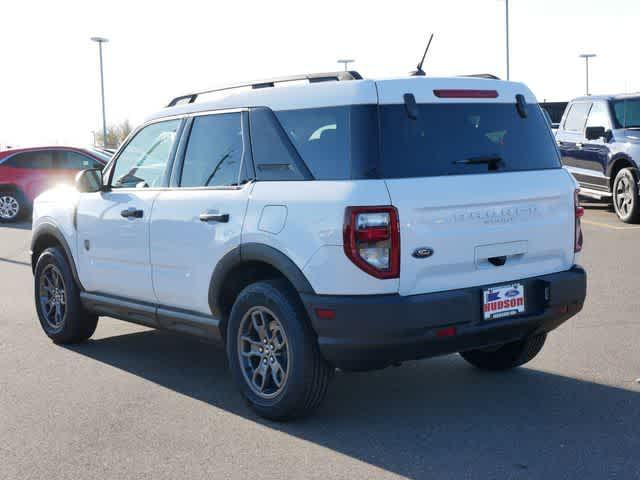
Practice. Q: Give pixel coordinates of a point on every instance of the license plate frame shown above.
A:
(503, 301)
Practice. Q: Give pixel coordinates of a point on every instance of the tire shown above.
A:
(271, 310)
(510, 355)
(57, 298)
(12, 206)
(625, 196)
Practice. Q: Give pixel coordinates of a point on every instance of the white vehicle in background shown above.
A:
(344, 223)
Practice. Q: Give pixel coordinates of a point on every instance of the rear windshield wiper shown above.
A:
(493, 161)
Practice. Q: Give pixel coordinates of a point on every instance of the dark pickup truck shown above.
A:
(599, 141)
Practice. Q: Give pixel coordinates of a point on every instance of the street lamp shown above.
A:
(586, 57)
(100, 41)
(506, 20)
(346, 63)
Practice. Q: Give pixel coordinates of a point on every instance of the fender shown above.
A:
(260, 253)
(614, 159)
(51, 230)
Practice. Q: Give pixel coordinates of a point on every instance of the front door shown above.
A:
(194, 224)
(113, 226)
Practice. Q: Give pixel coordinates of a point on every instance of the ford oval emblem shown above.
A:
(422, 252)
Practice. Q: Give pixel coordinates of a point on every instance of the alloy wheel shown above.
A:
(9, 207)
(263, 352)
(623, 196)
(53, 297)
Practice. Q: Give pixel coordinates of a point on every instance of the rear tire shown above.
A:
(273, 353)
(61, 314)
(625, 196)
(509, 355)
(12, 206)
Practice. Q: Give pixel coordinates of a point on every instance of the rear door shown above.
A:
(477, 183)
(113, 226)
(571, 139)
(199, 220)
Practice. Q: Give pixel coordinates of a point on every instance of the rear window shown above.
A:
(463, 138)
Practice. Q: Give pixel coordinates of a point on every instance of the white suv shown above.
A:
(332, 223)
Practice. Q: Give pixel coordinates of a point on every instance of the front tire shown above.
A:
(625, 196)
(273, 353)
(57, 297)
(12, 206)
(507, 356)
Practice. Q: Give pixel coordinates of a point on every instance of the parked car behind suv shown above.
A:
(27, 172)
(599, 140)
(346, 223)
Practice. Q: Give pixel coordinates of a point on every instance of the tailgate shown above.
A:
(475, 222)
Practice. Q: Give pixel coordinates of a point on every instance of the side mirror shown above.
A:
(90, 180)
(594, 133)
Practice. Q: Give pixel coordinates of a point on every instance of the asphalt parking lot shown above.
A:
(136, 403)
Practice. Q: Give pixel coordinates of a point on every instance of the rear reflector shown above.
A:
(446, 332)
(458, 93)
(325, 313)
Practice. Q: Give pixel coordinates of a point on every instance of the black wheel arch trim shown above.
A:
(257, 252)
(54, 231)
(614, 160)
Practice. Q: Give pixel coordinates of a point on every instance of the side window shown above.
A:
(599, 116)
(143, 161)
(321, 136)
(577, 117)
(69, 160)
(214, 153)
(274, 156)
(39, 159)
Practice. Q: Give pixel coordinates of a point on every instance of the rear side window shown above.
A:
(577, 117)
(39, 159)
(336, 143)
(214, 152)
(463, 138)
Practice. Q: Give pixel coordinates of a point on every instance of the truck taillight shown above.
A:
(579, 212)
(372, 240)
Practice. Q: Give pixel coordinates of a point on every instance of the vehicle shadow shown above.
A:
(23, 225)
(438, 418)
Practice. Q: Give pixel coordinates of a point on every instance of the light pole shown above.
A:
(346, 63)
(586, 57)
(506, 16)
(100, 41)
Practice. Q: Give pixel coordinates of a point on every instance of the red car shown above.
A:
(27, 172)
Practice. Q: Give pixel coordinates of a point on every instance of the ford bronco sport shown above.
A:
(333, 223)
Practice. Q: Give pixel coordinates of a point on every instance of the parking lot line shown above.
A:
(606, 225)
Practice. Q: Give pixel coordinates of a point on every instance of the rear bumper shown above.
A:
(376, 330)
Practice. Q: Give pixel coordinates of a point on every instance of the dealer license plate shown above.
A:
(503, 301)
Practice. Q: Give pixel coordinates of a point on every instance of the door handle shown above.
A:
(214, 217)
(131, 212)
(578, 145)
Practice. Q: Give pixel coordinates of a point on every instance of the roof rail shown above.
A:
(270, 82)
(488, 76)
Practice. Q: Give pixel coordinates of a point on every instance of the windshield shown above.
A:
(627, 113)
(463, 138)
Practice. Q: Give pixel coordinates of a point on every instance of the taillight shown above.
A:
(579, 212)
(372, 240)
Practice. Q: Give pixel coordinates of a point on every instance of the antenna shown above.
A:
(419, 72)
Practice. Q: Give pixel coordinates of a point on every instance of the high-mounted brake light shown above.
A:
(579, 212)
(372, 240)
(464, 93)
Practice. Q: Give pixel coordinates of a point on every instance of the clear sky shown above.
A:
(49, 77)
